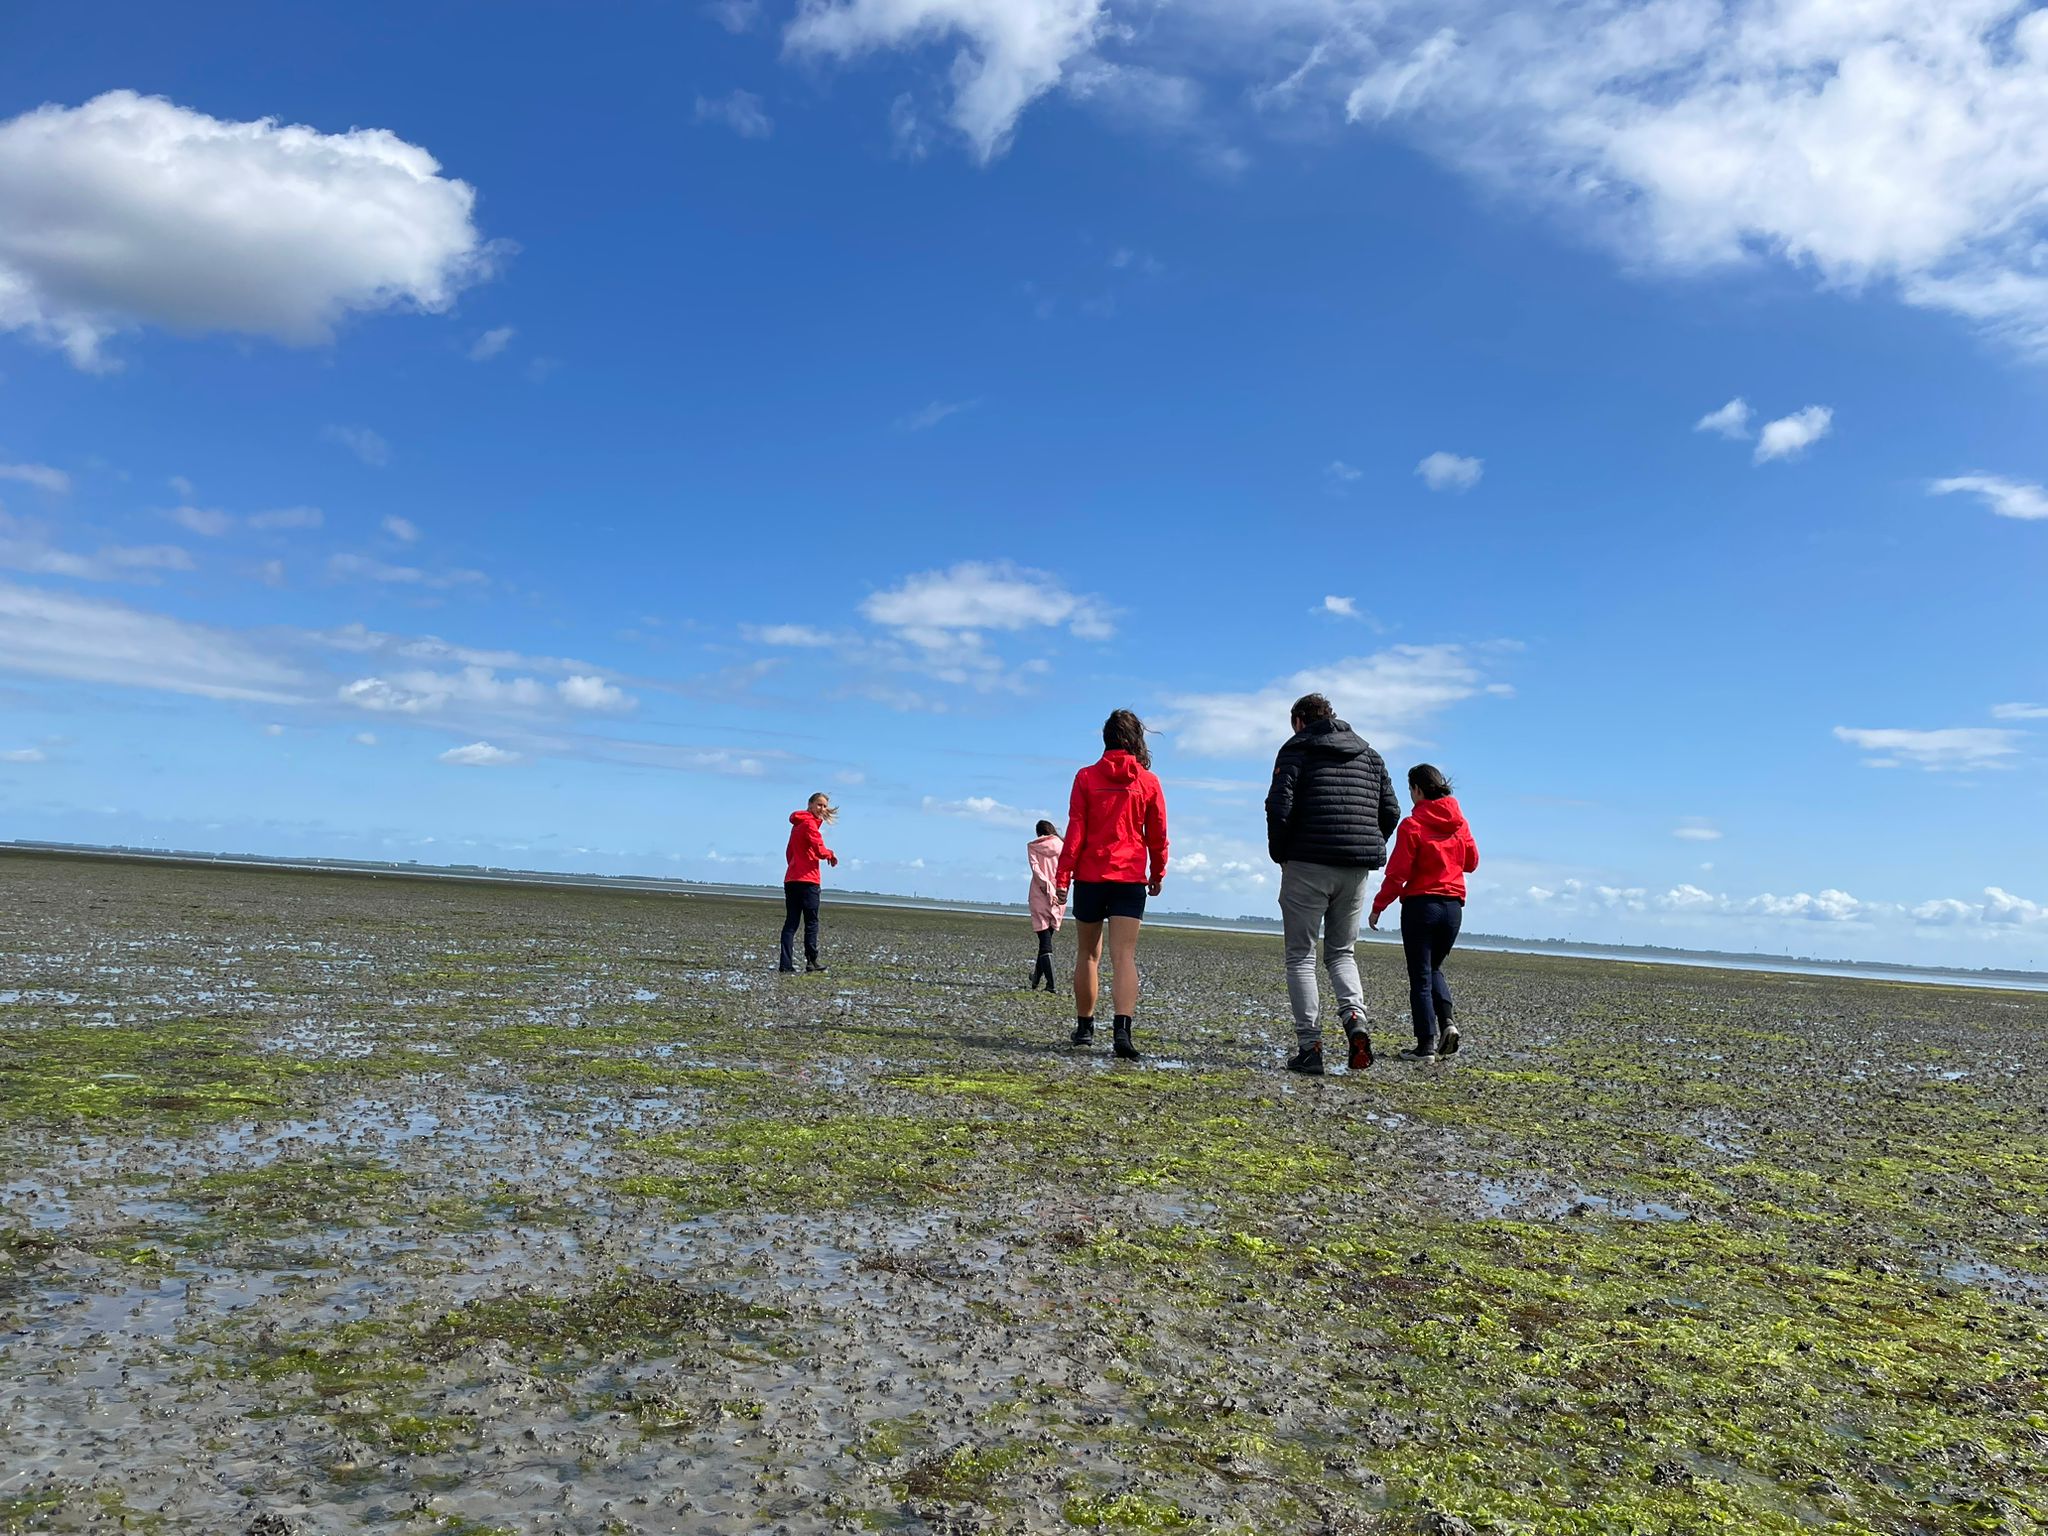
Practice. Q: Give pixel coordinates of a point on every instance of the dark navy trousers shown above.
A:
(1429, 927)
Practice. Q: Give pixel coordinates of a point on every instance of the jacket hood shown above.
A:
(1121, 766)
(1332, 738)
(1440, 815)
(797, 816)
(1050, 843)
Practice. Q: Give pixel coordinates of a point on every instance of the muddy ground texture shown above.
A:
(338, 1204)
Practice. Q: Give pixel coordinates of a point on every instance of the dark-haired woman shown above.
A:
(1047, 910)
(1115, 856)
(1433, 853)
(800, 879)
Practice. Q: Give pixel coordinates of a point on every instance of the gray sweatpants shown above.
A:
(1326, 901)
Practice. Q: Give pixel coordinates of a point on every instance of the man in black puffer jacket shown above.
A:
(1329, 815)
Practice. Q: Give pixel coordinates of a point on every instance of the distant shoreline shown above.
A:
(1627, 954)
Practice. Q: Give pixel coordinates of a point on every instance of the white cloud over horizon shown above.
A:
(2007, 498)
(131, 211)
(479, 754)
(1385, 696)
(982, 808)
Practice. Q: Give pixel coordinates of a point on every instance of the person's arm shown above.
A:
(1280, 804)
(1398, 869)
(818, 848)
(1155, 835)
(1070, 849)
(1471, 851)
(1390, 803)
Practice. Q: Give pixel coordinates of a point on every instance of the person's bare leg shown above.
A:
(1123, 957)
(1087, 968)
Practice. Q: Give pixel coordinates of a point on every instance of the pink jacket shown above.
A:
(1047, 909)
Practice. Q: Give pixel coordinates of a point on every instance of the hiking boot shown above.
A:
(1122, 1043)
(1361, 1047)
(1448, 1044)
(1308, 1061)
(812, 968)
(1084, 1032)
(786, 970)
(1418, 1053)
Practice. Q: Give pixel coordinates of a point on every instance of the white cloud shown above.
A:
(23, 755)
(974, 596)
(207, 522)
(926, 417)
(2007, 498)
(797, 636)
(273, 729)
(41, 476)
(402, 529)
(1731, 420)
(1830, 906)
(1012, 51)
(1958, 749)
(741, 111)
(26, 546)
(491, 344)
(131, 211)
(271, 573)
(736, 16)
(1450, 472)
(1790, 436)
(1341, 473)
(288, 517)
(479, 754)
(364, 738)
(1385, 696)
(981, 808)
(1697, 831)
(366, 445)
(2020, 712)
(481, 688)
(86, 640)
(363, 568)
(1341, 607)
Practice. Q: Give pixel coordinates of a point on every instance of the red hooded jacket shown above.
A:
(1115, 819)
(806, 847)
(1433, 853)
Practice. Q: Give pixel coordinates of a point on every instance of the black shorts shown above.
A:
(1098, 900)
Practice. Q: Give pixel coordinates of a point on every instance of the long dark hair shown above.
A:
(1125, 732)
(1428, 782)
(1046, 829)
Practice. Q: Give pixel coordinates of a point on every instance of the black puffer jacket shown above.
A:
(1331, 801)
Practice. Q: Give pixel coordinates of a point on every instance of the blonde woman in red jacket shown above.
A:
(1114, 856)
(800, 880)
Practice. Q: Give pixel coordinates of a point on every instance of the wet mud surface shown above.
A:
(339, 1204)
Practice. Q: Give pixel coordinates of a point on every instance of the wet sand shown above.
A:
(333, 1204)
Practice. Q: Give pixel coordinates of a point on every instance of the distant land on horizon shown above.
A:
(413, 868)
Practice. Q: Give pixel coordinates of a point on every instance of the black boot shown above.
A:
(1084, 1031)
(1121, 1040)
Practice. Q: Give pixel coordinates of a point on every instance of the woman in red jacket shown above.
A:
(800, 879)
(1433, 853)
(1116, 825)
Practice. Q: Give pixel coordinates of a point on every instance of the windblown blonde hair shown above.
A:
(828, 815)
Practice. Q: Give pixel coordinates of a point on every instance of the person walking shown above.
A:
(800, 881)
(1432, 856)
(1116, 826)
(1329, 814)
(1047, 911)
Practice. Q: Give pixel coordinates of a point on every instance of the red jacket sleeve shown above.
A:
(1399, 867)
(1155, 832)
(818, 848)
(1471, 851)
(1077, 829)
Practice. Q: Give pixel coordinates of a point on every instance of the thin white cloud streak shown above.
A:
(283, 519)
(929, 416)
(2020, 712)
(363, 568)
(491, 344)
(207, 522)
(366, 445)
(402, 529)
(2007, 498)
(132, 211)
(1958, 749)
(41, 476)
(479, 688)
(741, 111)
(90, 640)
(26, 546)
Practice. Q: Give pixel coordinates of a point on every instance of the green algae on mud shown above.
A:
(571, 1178)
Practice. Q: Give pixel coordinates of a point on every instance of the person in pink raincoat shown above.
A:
(1047, 909)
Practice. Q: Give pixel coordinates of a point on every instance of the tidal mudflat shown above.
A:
(340, 1204)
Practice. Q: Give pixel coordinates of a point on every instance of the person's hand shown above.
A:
(1153, 888)
(1060, 895)
(832, 859)
(1373, 921)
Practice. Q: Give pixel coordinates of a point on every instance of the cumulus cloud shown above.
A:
(1997, 908)
(479, 754)
(1341, 607)
(1450, 472)
(741, 111)
(973, 596)
(1731, 420)
(41, 476)
(1790, 436)
(87, 640)
(2007, 498)
(491, 344)
(1826, 906)
(1010, 51)
(1955, 750)
(133, 211)
(1386, 696)
(366, 445)
(982, 808)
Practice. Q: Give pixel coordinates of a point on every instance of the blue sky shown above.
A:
(569, 441)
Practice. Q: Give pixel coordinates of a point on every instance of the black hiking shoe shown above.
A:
(786, 970)
(1308, 1061)
(812, 968)
(1084, 1032)
(1355, 1031)
(1122, 1043)
(1418, 1053)
(1447, 1044)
